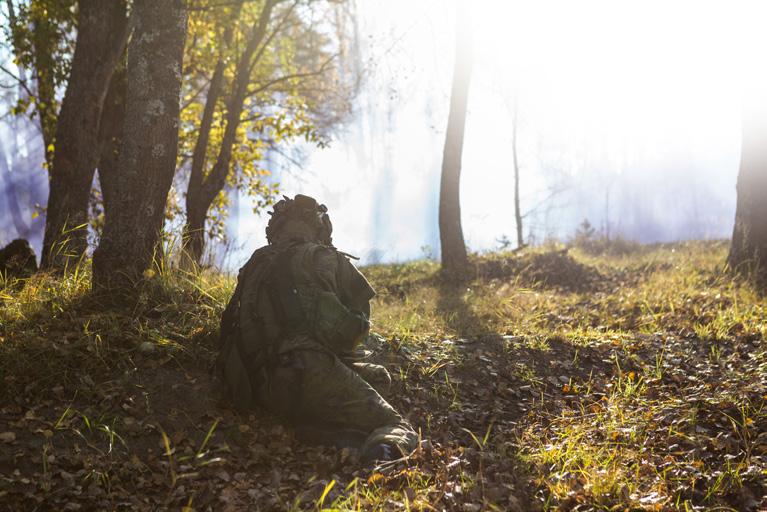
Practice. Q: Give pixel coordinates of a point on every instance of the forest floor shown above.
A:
(554, 380)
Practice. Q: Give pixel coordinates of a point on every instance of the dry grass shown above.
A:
(676, 419)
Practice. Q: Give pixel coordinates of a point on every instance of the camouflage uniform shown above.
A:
(299, 310)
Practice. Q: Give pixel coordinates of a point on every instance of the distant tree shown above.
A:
(453, 248)
(8, 184)
(25, 185)
(517, 207)
(585, 232)
(147, 157)
(102, 32)
(748, 252)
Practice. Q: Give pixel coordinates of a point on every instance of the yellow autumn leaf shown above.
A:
(375, 477)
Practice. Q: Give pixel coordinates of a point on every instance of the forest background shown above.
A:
(612, 125)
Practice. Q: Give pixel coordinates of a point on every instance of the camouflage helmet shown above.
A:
(304, 210)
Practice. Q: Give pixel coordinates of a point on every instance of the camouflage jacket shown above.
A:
(291, 290)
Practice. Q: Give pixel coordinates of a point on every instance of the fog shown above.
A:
(628, 116)
(23, 182)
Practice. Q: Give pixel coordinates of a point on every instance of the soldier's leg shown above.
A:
(318, 392)
(374, 374)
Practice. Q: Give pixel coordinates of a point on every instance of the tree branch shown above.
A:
(18, 80)
(216, 5)
(540, 203)
(271, 36)
(194, 96)
(292, 76)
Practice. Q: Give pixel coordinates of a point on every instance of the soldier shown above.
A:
(299, 310)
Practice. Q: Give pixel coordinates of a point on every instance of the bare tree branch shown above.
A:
(553, 193)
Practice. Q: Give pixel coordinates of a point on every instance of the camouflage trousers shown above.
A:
(329, 402)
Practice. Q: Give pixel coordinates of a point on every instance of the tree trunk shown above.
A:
(517, 206)
(147, 158)
(748, 252)
(101, 34)
(194, 236)
(203, 190)
(453, 248)
(111, 136)
(194, 229)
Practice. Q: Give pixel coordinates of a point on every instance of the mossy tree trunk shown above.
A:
(147, 157)
(453, 248)
(102, 30)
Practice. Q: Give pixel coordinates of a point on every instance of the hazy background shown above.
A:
(629, 115)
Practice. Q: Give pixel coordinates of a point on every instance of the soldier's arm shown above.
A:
(338, 323)
(354, 289)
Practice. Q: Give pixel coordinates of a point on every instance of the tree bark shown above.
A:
(110, 138)
(147, 158)
(748, 251)
(101, 35)
(453, 248)
(203, 190)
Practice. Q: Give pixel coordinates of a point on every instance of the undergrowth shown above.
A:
(54, 329)
(555, 378)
